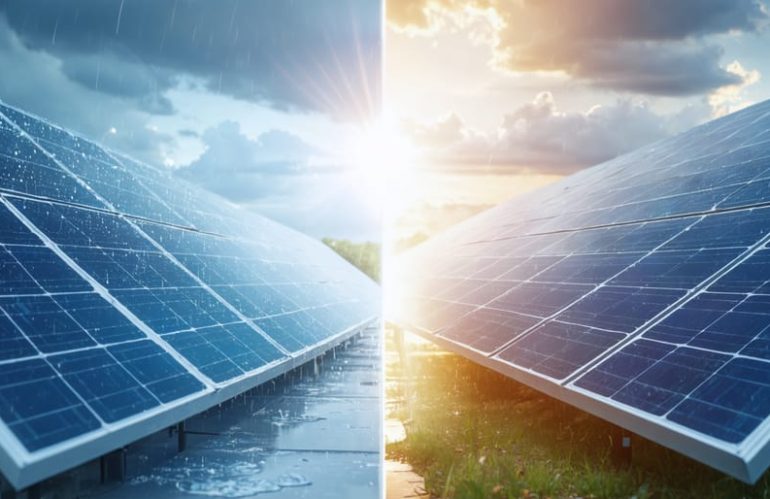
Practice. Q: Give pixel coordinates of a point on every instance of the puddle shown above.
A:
(229, 488)
(241, 486)
(201, 470)
(292, 420)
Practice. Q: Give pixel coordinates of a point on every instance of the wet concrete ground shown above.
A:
(305, 435)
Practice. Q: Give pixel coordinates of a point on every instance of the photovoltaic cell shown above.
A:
(668, 381)
(103, 384)
(557, 349)
(730, 403)
(13, 343)
(115, 184)
(156, 370)
(45, 323)
(160, 292)
(639, 287)
(94, 314)
(26, 169)
(487, 329)
(38, 407)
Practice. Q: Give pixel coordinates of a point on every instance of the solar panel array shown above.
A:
(130, 299)
(638, 289)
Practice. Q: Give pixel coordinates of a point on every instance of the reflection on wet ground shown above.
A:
(313, 433)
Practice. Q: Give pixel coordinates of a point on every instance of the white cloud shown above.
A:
(277, 175)
(729, 99)
(539, 136)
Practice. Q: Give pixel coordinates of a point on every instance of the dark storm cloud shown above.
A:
(122, 77)
(304, 55)
(641, 19)
(651, 68)
(654, 47)
(34, 81)
(657, 47)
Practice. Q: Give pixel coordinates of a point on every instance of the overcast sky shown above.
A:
(252, 99)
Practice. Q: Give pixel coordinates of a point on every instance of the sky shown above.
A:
(285, 106)
(258, 101)
(498, 97)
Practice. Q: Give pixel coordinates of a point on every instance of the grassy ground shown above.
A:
(474, 433)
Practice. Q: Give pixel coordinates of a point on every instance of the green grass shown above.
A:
(474, 433)
(365, 256)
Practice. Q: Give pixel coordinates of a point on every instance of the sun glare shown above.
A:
(383, 165)
(381, 162)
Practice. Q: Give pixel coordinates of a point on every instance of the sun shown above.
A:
(381, 162)
(380, 150)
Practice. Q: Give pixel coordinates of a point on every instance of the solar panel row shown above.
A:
(637, 289)
(128, 295)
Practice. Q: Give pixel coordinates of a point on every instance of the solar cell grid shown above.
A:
(113, 183)
(638, 287)
(50, 315)
(38, 407)
(156, 370)
(109, 309)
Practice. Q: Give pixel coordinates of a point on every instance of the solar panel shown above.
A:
(130, 300)
(638, 290)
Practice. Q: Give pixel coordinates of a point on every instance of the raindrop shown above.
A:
(55, 30)
(120, 14)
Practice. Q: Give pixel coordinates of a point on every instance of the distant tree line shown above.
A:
(366, 256)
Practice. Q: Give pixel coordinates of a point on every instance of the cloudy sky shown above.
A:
(501, 96)
(270, 103)
(256, 100)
